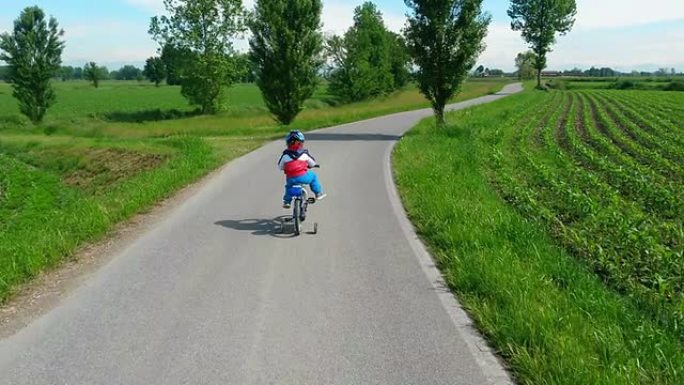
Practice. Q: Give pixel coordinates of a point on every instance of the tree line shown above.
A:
(131, 72)
(289, 55)
(525, 64)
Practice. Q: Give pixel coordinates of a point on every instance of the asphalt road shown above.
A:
(212, 295)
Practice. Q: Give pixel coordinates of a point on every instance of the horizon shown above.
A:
(631, 39)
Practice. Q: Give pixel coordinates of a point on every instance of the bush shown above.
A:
(624, 85)
(557, 84)
(675, 85)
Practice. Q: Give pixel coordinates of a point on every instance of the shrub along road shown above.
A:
(214, 295)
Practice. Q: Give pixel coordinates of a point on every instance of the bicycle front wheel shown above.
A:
(295, 216)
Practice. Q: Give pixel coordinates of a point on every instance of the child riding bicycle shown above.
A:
(296, 163)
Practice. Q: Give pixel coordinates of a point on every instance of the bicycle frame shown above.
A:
(300, 206)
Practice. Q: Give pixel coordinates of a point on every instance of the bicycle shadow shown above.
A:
(271, 227)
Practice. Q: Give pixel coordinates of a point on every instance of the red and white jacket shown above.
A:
(296, 162)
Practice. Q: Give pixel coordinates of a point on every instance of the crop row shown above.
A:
(608, 189)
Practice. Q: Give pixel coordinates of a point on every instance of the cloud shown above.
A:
(624, 49)
(503, 45)
(105, 29)
(107, 41)
(592, 14)
(5, 27)
(616, 33)
(113, 58)
(157, 6)
(339, 16)
(152, 6)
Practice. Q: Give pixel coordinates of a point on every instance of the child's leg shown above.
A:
(287, 198)
(314, 183)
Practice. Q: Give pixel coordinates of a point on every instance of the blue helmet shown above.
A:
(293, 136)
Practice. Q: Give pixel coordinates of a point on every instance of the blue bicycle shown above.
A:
(300, 205)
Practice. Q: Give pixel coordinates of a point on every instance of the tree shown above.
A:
(204, 28)
(525, 64)
(176, 61)
(127, 72)
(593, 72)
(286, 48)
(661, 72)
(399, 60)
(573, 72)
(94, 73)
(539, 21)
(445, 38)
(33, 53)
(244, 68)
(4, 73)
(66, 73)
(600, 72)
(363, 65)
(607, 72)
(479, 71)
(155, 70)
(340, 74)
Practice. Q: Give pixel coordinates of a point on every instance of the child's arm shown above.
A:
(310, 161)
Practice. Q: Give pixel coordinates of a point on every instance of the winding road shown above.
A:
(212, 295)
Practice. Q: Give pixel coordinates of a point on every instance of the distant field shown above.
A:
(77, 99)
(132, 109)
(558, 217)
(622, 83)
(132, 101)
(115, 151)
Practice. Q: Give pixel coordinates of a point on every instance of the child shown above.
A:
(296, 162)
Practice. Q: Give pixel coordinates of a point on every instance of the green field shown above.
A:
(115, 151)
(558, 218)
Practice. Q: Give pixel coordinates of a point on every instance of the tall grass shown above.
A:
(547, 313)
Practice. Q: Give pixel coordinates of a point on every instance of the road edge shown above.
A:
(492, 366)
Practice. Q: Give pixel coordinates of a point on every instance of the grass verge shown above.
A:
(547, 314)
(55, 198)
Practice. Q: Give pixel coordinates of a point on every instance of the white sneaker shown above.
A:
(287, 205)
(321, 196)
